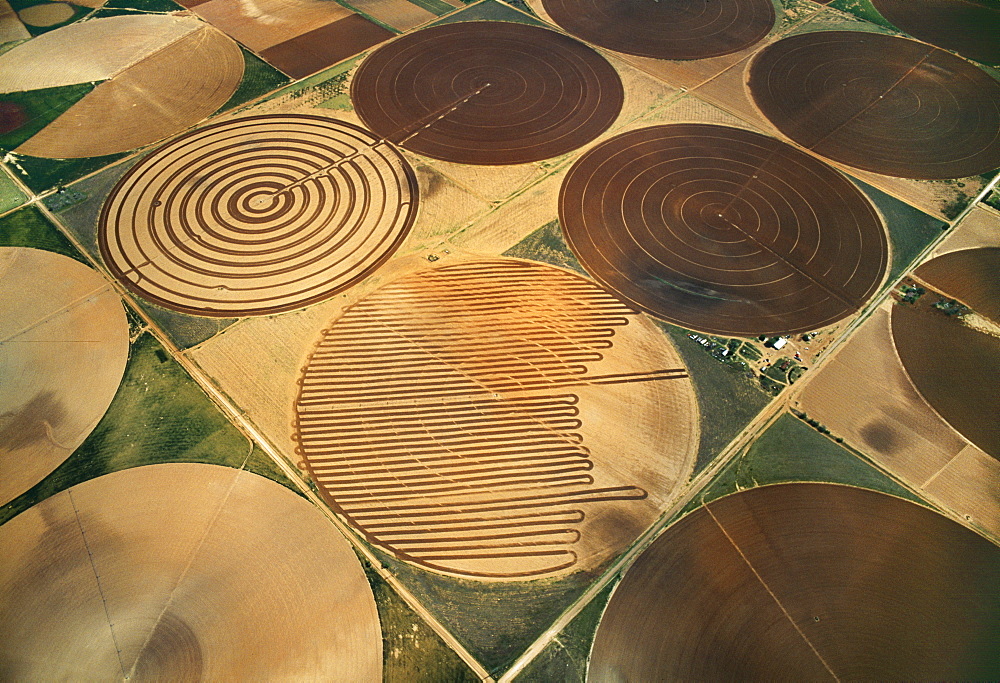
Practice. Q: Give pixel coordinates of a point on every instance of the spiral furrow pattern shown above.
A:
(257, 215)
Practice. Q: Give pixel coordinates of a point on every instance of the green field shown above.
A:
(411, 650)
(565, 657)
(791, 450)
(30, 228)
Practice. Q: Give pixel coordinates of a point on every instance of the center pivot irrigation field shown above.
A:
(723, 230)
(496, 418)
(881, 103)
(499, 340)
(487, 93)
(686, 29)
(258, 215)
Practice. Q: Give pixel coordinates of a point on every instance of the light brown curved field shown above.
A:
(63, 350)
(865, 396)
(11, 28)
(165, 92)
(90, 50)
(183, 572)
(267, 23)
(47, 14)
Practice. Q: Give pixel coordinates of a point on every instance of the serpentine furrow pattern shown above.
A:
(442, 416)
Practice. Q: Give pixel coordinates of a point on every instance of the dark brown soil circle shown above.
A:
(723, 230)
(688, 29)
(806, 582)
(954, 365)
(881, 103)
(969, 27)
(487, 92)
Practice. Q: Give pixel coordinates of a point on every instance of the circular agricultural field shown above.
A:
(723, 230)
(46, 14)
(155, 75)
(257, 215)
(183, 572)
(65, 341)
(806, 582)
(969, 27)
(497, 419)
(689, 29)
(881, 103)
(487, 92)
(955, 363)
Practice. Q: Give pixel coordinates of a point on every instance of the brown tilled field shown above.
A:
(951, 360)
(805, 581)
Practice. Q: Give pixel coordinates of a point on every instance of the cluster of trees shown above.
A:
(815, 424)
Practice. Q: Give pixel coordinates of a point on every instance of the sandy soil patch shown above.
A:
(980, 228)
(863, 395)
(399, 14)
(264, 23)
(11, 28)
(48, 14)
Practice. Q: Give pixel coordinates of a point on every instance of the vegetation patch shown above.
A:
(491, 10)
(434, 6)
(728, 396)
(495, 621)
(565, 658)
(993, 199)
(158, 415)
(793, 451)
(37, 109)
(78, 12)
(910, 230)
(863, 9)
(11, 195)
(44, 174)
(116, 7)
(259, 78)
(30, 228)
(184, 330)
(411, 650)
(546, 245)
